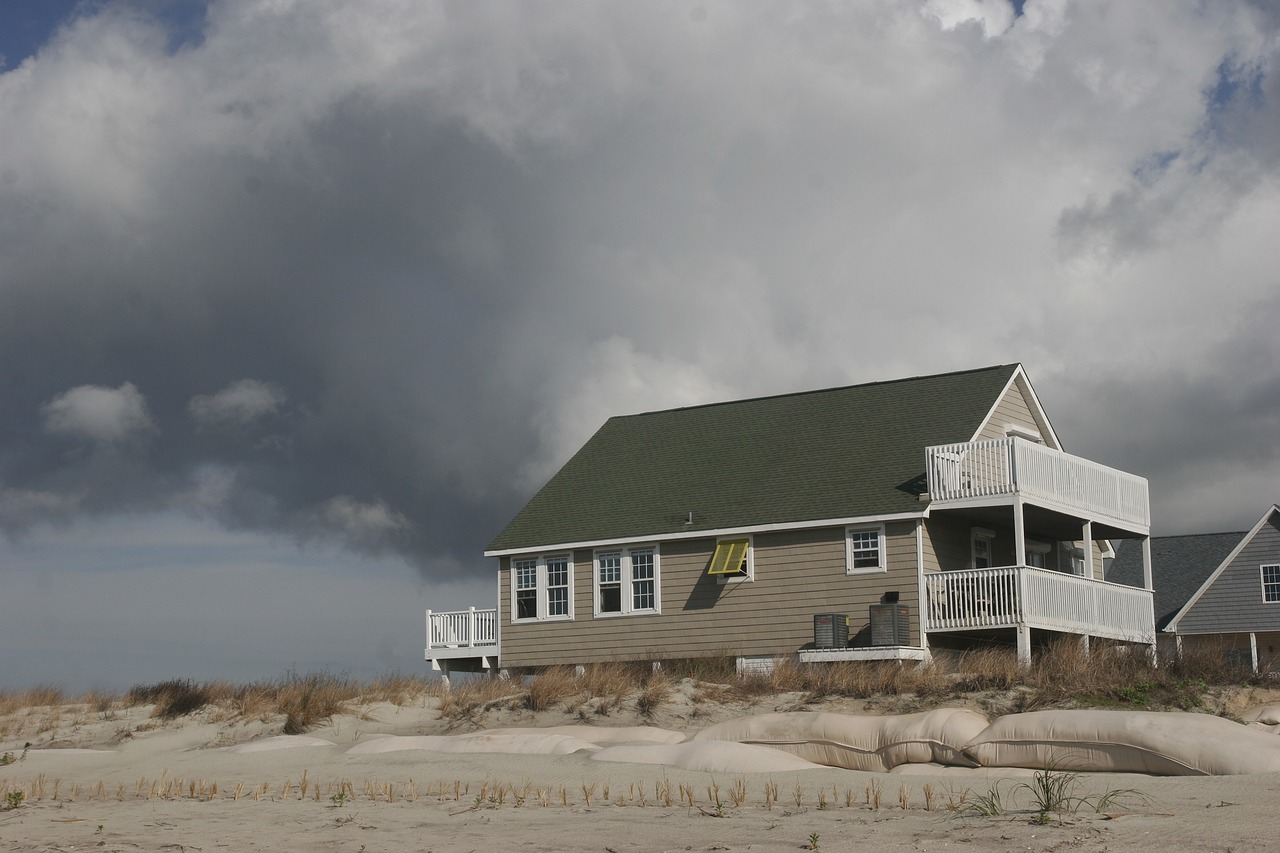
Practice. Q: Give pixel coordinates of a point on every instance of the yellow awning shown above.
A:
(727, 560)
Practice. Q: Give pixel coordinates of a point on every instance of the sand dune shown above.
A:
(376, 779)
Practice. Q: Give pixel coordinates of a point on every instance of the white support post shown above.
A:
(1253, 650)
(920, 585)
(1019, 533)
(1024, 646)
(1087, 533)
(471, 627)
(1146, 572)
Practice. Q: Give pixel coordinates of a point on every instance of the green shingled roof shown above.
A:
(838, 453)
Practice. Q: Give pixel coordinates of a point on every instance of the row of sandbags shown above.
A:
(1167, 744)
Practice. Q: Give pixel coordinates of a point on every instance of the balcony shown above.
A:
(1024, 596)
(980, 473)
(462, 640)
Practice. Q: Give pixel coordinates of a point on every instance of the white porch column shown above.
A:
(1087, 533)
(1019, 533)
(1253, 650)
(1146, 570)
(920, 584)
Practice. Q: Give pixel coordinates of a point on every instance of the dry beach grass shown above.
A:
(161, 776)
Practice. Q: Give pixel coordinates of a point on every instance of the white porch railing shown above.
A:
(453, 633)
(1011, 596)
(1006, 466)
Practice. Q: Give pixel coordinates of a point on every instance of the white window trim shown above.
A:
(975, 534)
(881, 549)
(751, 561)
(1262, 577)
(628, 600)
(542, 597)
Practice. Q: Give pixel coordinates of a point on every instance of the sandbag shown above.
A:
(599, 735)
(708, 757)
(480, 742)
(1160, 743)
(871, 743)
(1267, 715)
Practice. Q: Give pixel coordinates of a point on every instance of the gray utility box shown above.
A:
(830, 631)
(890, 625)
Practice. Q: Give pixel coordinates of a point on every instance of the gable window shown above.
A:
(1271, 584)
(864, 550)
(542, 587)
(626, 581)
(982, 544)
(732, 561)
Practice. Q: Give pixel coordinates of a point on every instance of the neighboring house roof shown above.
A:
(840, 453)
(1179, 567)
(1226, 561)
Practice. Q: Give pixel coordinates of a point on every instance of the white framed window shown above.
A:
(1037, 554)
(982, 547)
(733, 560)
(542, 587)
(864, 550)
(627, 580)
(1271, 584)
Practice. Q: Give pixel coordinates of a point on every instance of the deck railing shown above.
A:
(1010, 596)
(462, 629)
(1006, 466)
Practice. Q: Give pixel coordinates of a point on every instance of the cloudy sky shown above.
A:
(301, 299)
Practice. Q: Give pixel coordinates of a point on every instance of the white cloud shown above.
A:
(363, 521)
(239, 404)
(100, 414)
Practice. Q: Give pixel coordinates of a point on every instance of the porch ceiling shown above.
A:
(1041, 522)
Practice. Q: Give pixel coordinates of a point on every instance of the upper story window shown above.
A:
(627, 581)
(864, 550)
(1271, 584)
(542, 587)
(733, 560)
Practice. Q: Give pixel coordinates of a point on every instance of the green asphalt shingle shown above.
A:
(837, 453)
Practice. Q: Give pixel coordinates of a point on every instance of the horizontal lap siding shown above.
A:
(1012, 409)
(797, 574)
(1234, 602)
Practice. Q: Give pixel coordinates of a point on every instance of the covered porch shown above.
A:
(1044, 500)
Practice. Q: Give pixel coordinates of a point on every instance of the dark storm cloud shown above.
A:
(366, 273)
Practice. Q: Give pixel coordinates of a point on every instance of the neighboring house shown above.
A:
(936, 510)
(1215, 591)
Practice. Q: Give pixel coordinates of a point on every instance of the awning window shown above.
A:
(729, 558)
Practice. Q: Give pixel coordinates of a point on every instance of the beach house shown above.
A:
(867, 522)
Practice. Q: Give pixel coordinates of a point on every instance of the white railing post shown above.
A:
(428, 629)
(471, 627)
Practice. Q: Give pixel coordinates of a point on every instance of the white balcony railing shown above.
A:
(1010, 596)
(1005, 466)
(462, 633)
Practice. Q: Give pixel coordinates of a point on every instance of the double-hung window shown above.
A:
(542, 587)
(982, 543)
(627, 581)
(1271, 584)
(864, 550)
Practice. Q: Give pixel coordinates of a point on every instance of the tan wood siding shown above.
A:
(1234, 602)
(797, 574)
(1014, 408)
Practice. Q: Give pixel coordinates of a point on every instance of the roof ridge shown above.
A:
(813, 391)
(1197, 535)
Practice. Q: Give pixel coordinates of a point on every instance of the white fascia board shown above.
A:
(1172, 627)
(711, 533)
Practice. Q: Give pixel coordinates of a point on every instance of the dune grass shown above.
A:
(1061, 675)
